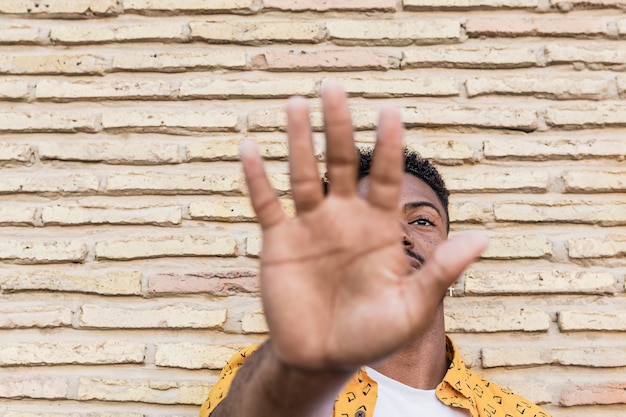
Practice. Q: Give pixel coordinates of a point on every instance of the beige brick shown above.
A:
(171, 119)
(398, 32)
(42, 251)
(254, 87)
(331, 5)
(593, 394)
(45, 387)
(575, 211)
(538, 25)
(428, 86)
(579, 356)
(492, 56)
(279, 179)
(53, 183)
(219, 181)
(621, 85)
(114, 415)
(232, 209)
(55, 7)
(57, 353)
(124, 282)
(251, 32)
(227, 148)
(594, 357)
(18, 33)
(621, 27)
(143, 390)
(567, 5)
(549, 148)
(489, 320)
(17, 215)
(254, 322)
(517, 246)
(443, 151)
(173, 316)
(518, 356)
(166, 246)
(253, 246)
(591, 53)
(111, 214)
(192, 355)
(163, 61)
(63, 90)
(24, 316)
(610, 245)
(538, 282)
(586, 115)
(13, 88)
(324, 60)
(467, 212)
(136, 31)
(577, 320)
(545, 87)
(468, 4)
(50, 63)
(16, 153)
(223, 6)
(42, 121)
(536, 181)
(484, 117)
(122, 152)
(91, 414)
(22, 414)
(612, 181)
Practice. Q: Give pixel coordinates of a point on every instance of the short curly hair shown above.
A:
(414, 165)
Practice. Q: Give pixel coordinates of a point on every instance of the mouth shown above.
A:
(416, 261)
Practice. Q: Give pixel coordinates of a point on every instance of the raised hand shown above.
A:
(337, 288)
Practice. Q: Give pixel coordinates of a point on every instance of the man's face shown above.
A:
(422, 216)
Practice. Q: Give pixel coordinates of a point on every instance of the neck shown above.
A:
(422, 363)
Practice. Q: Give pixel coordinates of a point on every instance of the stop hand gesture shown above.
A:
(337, 288)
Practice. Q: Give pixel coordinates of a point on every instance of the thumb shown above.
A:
(448, 261)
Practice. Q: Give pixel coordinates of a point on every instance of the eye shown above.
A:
(422, 221)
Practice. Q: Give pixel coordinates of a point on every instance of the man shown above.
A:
(352, 287)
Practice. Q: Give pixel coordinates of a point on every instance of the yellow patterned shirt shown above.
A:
(460, 388)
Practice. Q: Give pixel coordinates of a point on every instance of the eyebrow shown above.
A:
(416, 204)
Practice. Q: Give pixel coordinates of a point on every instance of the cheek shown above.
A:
(427, 241)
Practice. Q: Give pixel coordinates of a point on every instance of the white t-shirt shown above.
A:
(398, 400)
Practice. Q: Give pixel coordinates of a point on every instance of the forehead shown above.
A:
(413, 190)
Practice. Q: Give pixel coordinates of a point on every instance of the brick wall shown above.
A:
(129, 250)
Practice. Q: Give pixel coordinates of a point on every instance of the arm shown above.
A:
(266, 387)
(337, 288)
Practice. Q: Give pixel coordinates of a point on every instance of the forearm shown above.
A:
(265, 387)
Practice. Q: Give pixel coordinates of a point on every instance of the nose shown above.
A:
(407, 241)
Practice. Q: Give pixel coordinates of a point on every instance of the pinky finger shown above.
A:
(262, 196)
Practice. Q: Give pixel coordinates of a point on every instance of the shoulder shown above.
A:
(462, 387)
(221, 387)
(489, 395)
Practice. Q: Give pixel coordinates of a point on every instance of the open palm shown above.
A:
(337, 288)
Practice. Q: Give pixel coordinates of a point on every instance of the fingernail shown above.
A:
(247, 147)
(295, 101)
(329, 83)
